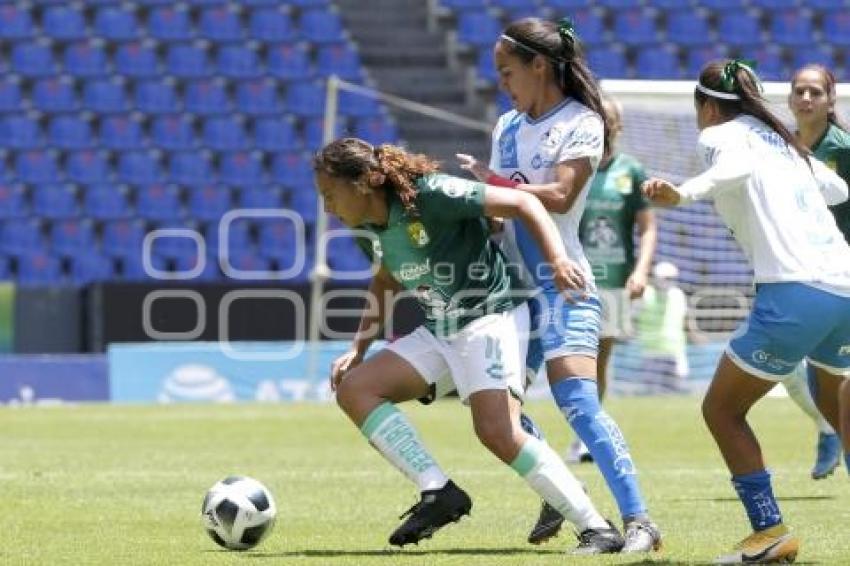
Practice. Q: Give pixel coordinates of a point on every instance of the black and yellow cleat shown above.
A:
(775, 545)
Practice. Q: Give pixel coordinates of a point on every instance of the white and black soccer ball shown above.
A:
(238, 512)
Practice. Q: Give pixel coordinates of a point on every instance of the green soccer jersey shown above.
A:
(444, 254)
(834, 150)
(609, 219)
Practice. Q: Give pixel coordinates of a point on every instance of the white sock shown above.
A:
(547, 474)
(389, 431)
(797, 385)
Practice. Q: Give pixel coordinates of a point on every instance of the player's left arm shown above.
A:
(648, 231)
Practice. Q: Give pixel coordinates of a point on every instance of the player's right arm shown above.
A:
(382, 288)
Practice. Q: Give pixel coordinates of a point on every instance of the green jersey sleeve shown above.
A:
(447, 198)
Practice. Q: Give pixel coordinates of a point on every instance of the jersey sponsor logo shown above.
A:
(417, 234)
(519, 178)
(456, 187)
(411, 271)
(844, 350)
(508, 154)
(584, 135)
(624, 184)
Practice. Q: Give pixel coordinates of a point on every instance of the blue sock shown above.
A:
(756, 494)
(579, 402)
(530, 427)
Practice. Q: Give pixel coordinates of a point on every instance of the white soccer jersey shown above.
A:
(528, 150)
(774, 204)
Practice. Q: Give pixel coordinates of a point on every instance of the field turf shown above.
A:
(118, 485)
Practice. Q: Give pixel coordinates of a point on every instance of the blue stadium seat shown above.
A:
(33, 59)
(465, 4)
(64, 23)
(688, 27)
(314, 131)
(827, 4)
(635, 27)
(86, 59)
(288, 62)
(275, 134)
(121, 132)
(770, 63)
(260, 197)
(209, 202)
(562, 5)
(697, 57)
(220, 24)
(19, 131)
(261, 3)
(55, 94)
(775, 4)
(137, 60)
(836, 27)
(804, 55)
(739, 29)
(173, 132)
(305, 201)
(339, 59)
(191, 168)
(36, 167)
(70, 132)
(206, 97)
(13, 201)
(238, 237)
(132, 268)
(170, 23)
(276, 239)
(376, 129)
(54, 202)
(15, 23)
(208, 2)
(357, 105)
(224, 133)
(272, 26)
(188, 262)
(106, 202)
(38, 269)
(116, 23)
(105, 96)
(620, 4)
(91, 268)
(791, 28)
(657, 62)
(590, 26)
(72, 237)
(87, 167)
(719, 5)
(5, 269)
(321, 26)
(10, 94)
(156, 97)
(248, 260)
(158, 202)
(123, 237)
(238, 62)
(188, 61)
(139, 168)
(310, 3)
(257, 97)
(479, 29)
(241, 169)
(608, 62)
(485, 67)
(305, 99)
(292, 170)
(21, 236)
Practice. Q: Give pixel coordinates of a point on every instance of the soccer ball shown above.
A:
(238, 512)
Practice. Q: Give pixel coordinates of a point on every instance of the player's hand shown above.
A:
(568, 277)
(469, 163)
(636, 284)
(661, 192)
(340, 366)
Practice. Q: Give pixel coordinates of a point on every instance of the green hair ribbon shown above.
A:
(729, 77)
(567, 30)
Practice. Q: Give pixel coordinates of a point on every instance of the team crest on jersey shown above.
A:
(454, 187)
(417, 234)
(832, 164)
(624, 184)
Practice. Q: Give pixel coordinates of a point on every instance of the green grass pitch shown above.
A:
(118, 485)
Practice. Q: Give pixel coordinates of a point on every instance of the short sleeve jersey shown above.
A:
(444, 255)
(609, 218)
(834, 150)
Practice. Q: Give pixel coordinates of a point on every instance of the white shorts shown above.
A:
(488, 353)
(616, 313)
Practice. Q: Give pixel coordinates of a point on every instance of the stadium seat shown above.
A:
(272, 26)
(292, 170)
(464, 4)
(275, 134)
(608, 62)
(620, 4)
(220, 24)
(191, 168)
(697, 57)
(132, 267)
(791, 28)
(13, 201)
(116, 23)
(836, 27)
(86, 59)
(376, 130)
(21, 236)
(158, 202)
(91, 268)
(188, 263)
(568, 5)
(720, 5)
(739, 29)
(137, 60)
(38, 269)
(305, 99)
(257, 97)
(357, 105)
(139, 168)
(804, 55)
(36, 166)
(688, 28)
(238, 62)
(56, 94)
(485, 67)
(260, 197)
(121, 132)
(305, 201)
(321, 26)
(238, 237)
(63, 23)
(276, 238)
(658, 62)
(206, 97)
(590, 26)
(54, 202)
(72, 237)
(123, 237)
(635, 27)
(188, 61)
(15, 23)
(70, 132)
(209, 202)
(33, 60)
(241, 169)
(771, 64)
(170, 23)
(478, 29)
(288, 62)
(87, 167)
(339, 59)
(156, 97)
(10, 94)
(775, 4)
(105, 96)
(173, 132)
(261, 3)
(310, 3)
(106, 202)
(314, 132)
(224, 133)
(20, 131)
(248, 260)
